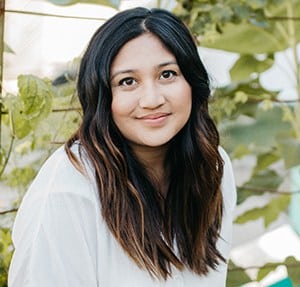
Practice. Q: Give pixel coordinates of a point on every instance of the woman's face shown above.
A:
(151, 100)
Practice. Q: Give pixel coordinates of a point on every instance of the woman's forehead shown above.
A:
(140, 51)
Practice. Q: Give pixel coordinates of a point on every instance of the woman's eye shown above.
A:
(168, 74)
(127, 82)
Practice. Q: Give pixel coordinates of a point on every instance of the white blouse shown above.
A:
(61, 239)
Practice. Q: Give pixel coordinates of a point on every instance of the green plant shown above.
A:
(33, 123)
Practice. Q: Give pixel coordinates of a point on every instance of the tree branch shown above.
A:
(2, 21)
(283, 18)
(269, 266)
(8, 211)
(263, 189)
(54, 15)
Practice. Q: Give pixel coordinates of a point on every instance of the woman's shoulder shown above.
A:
(59, 175)
(228, 181)
(224, 154)
(59, 210)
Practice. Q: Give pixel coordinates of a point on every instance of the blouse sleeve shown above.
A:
(228, 182)
(55, 234)
(218, 277)
(229, 203)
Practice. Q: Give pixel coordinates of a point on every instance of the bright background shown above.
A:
(46, 46)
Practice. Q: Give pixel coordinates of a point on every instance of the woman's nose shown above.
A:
(151, 96)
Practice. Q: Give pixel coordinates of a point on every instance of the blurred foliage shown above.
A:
(39, 114)
(251, 119)
(245, 27)
(34, 123)
(238, 277)
(5, 254)
(269, 212)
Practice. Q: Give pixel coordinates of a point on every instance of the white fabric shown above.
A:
(61, 239)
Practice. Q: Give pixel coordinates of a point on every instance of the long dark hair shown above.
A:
(156, 232)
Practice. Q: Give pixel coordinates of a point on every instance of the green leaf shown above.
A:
(263, 180)
(265, 270)
(221, 13)
(243, 194)
(293, 267)
(111, 3)
(268, 179)
(239, 98)
(257, 4)
(241, 151)
(246, 65)
(8, 49)
(33, 104)
(265, 160)
(5, 254)
(245, 38)
(250, 215)
(236, 276)
(269, 212)
(65, 90)
(267, 105)
(290, 151)
(24, 147)
(36, 96)
(261, 132)
(21, 126)
(2, 156)
(241, 11)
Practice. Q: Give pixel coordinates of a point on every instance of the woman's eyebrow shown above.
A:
(167, 64)
(131, 71)
(127, 71)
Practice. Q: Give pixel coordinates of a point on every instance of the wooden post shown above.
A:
(2, 11)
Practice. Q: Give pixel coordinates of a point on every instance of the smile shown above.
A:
(156, 119)
(154, 116)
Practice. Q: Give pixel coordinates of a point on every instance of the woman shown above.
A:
(142, 194)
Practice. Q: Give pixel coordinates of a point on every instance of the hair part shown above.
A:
(145, 224)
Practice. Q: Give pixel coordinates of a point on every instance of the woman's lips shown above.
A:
(153, 116)
(156, 119)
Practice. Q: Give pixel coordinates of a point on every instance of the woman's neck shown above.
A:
(154, 161)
